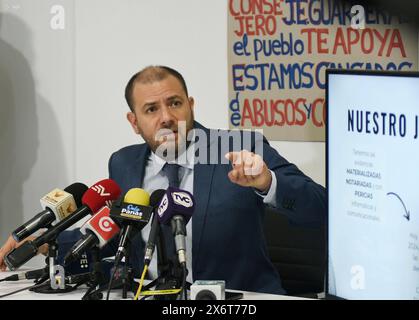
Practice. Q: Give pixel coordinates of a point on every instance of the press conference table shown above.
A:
(6, 287)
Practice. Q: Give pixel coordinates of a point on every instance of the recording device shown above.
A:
(208, 290)
(176, 208)
(97, 232)
(57, 204)
(100, 194)
(155, 199)
(132, 214)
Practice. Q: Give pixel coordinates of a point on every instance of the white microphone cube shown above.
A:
(60, 202)
(208, 290)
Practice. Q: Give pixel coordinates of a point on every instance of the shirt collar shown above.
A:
(185, 162)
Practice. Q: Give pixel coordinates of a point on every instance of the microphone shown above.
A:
(97, 231)
(98, 195)
(176, 208)
(155, 199)
(57, 205)
(133, 213)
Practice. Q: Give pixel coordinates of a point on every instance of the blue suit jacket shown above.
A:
(228, 241)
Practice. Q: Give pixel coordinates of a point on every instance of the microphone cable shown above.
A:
(23, 289)
(141, 282)
(28, 275)
(185, 272)
(111, 281)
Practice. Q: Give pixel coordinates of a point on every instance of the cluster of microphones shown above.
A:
(112, 215)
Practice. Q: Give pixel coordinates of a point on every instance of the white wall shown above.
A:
(37, 107)
(187, 35)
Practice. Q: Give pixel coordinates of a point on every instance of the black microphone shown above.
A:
(176, 208)
(155, 199)
(100, 194)
(28, 275)
(57, 205)
(132, 214)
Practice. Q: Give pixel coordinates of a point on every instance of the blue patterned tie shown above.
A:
(171, 171)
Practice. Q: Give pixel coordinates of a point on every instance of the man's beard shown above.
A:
(167, 147)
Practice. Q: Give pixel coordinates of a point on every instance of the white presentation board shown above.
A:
(373, 185)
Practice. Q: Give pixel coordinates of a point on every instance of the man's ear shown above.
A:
(132, 119)
(191, 102)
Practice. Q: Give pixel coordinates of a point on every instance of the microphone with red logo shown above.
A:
(100, 194)
(176, 208)
(57, 204)
(97, 231)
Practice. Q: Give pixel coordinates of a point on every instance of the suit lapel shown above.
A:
(203, 174)
(135, 173)
(202, 185)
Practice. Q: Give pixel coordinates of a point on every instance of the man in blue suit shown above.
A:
(233, 176)
(230, 197)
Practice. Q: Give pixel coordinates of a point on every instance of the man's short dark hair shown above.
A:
(151, 74)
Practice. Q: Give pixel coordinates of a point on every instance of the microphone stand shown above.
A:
(50, 270)
(122, 279)
(126, 270)
(117, 284)
(97, 277)
(169, 273)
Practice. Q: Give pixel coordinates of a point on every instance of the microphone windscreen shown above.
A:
(77, 190)
(137, 196)
(176, 202)
(156, 197)
(102, 225)
(100, 194)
